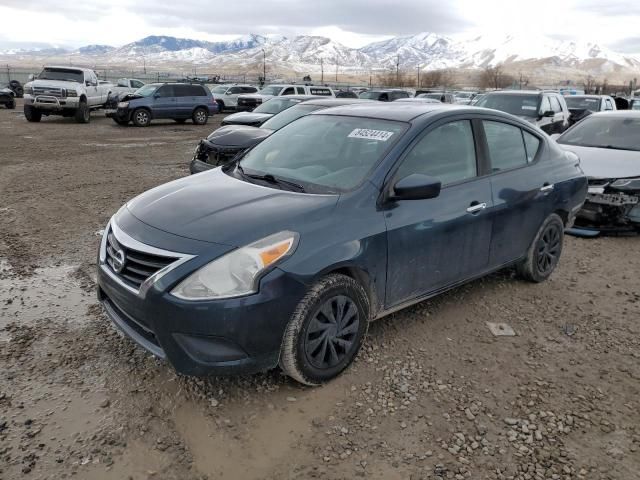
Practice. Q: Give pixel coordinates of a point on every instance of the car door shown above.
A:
(164, 102)
(91, 87)
(434, 243)
(522, 189)
(231, 96)
(558, 115)
(545, 122)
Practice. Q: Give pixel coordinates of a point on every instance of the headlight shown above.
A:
(72, 93)
(627, 184)
(236, 273)
(28, 90)
(123, 104)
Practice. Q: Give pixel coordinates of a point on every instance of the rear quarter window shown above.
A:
(506, 145)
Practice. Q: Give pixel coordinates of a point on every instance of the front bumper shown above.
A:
(119, 114)
(51, 103)
(608, 211)
(231, 336)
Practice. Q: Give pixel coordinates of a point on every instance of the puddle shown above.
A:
(49, 293)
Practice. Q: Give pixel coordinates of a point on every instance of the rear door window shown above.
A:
(300, 90)
(196, 91)
(249, 89)
(506, 145)
(137, 84)
(288, 91)
(165, 91)
(181, 90)
(532, 145)
(447, 153)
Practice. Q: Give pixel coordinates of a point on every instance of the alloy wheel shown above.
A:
(332, 332)
(548, 249)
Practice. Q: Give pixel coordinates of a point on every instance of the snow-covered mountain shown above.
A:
(305, 53)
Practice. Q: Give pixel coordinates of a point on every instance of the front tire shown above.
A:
(200, 116)
(141, 117)
(12, 104)
(32, 114)
(544, 253)
(326, 330)
(83, 113)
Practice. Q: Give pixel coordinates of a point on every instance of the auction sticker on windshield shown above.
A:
(366, 133)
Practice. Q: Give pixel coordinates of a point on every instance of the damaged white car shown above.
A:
(608, 144)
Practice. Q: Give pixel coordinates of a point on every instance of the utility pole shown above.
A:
(322, 71)
(398, 71)
(337, 63)
(418, 84)
(264, 66)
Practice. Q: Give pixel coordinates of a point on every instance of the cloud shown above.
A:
(626, 45)
(373, 17)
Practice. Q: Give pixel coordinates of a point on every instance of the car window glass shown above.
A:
(289, 91)
(545, 106)
(136, 84)
(300, 90)
(122, 83)
(165, 91)
(447, 153)
(180, 91)
(506, 145)
(234, 91)
(249, 89)
(384, 97)
(196, 91)
(532, 144)
(608, 105)
(555, 105)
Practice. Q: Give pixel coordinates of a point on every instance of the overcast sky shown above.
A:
(612, 23)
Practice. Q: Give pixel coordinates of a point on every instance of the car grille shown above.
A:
(221, 156)
(131, 266)
(50, 92)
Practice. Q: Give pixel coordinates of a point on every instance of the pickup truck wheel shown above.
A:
(544, 253)
(326, 330)
(200, 116)
(141, 118)
(83, 114)
(32, 114)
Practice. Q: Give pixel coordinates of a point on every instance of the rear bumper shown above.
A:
(233, 336)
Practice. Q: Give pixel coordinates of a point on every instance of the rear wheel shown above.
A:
(32, 114)
(83, 113)
(12, 104)
(200, 116)
(544, 253)
(141, 117)
(326, 330)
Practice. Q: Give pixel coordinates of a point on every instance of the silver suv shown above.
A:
(227, 95)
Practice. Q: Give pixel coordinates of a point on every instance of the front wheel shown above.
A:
(32, 114)
(200, 116)
(12, 104)
(544, 253)
(83, 113)
(326, 330)
(141, 117)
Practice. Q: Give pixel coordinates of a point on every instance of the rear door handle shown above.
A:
(476, 207)
(547, 187)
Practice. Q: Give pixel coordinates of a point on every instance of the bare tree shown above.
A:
(589, 84)
(495, 77)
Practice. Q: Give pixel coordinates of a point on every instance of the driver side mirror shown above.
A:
(548, 113)
(416, 187)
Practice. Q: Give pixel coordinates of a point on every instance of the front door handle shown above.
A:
(476, 207)
(547, 187)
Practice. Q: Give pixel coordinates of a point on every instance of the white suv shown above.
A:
(227, 95)
(249, 102)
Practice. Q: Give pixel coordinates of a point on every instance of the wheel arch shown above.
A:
(361, 276)
(201, 106)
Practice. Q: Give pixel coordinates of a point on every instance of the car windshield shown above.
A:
(583, 103)
(522, 105)
(220, 90)
(324, 153)
(285, 118)
(277, 105)
(370, 95)
(146, 91)
(635, 105)
(270, 90)
(435, 96)
(63, 74)
(616, 132)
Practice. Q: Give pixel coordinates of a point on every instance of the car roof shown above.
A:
(67, 67)
(517, 92)
(335, 102)
(403, 111)
(617, 113)
(385, 90)
(295, 97)
(586, 96)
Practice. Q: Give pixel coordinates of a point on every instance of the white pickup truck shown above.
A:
(66, 91)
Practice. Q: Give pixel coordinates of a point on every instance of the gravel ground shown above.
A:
(433, 395)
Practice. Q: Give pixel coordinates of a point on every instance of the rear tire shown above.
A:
(12, 104)
(83, 113)
(545, 250)
(200, 116)
(32, 114)
(326, 330)
(141, 117)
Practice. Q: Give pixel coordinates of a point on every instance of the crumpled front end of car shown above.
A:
(612, 205)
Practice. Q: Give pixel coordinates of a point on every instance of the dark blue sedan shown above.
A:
(342, 217)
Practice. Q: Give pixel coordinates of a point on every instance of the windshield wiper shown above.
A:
(270, 178)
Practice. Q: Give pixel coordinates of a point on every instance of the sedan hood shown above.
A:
(242, 136)
(607, 163)
(247, 118)
(214, 207)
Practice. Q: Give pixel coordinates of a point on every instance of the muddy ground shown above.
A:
(433, 394)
